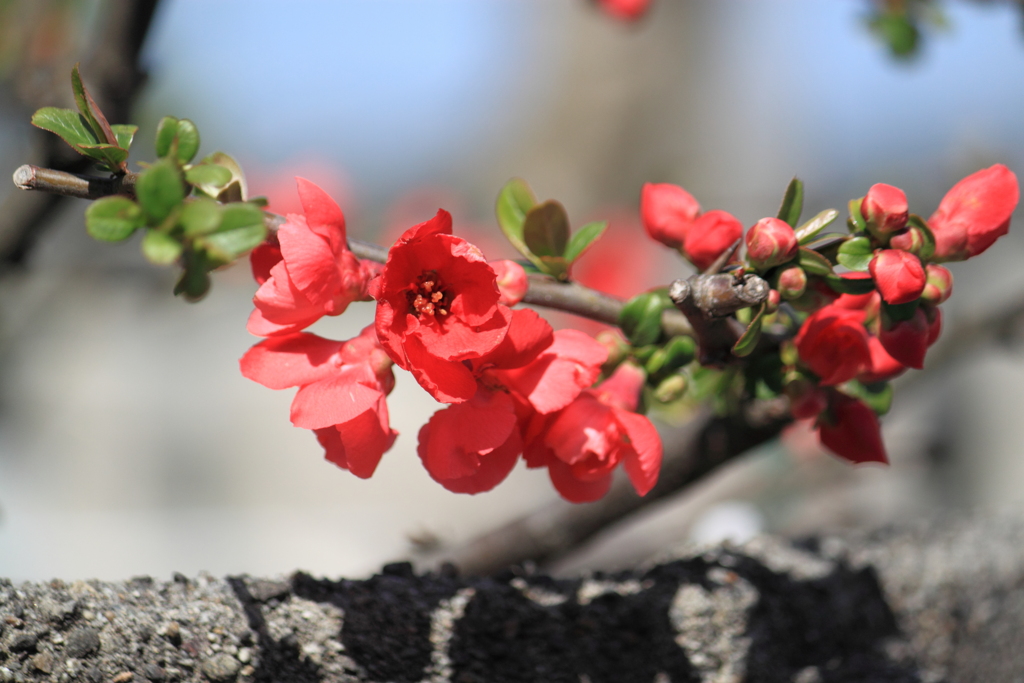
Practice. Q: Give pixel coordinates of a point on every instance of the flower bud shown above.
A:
(771, 242)
(939, 285)
(772, 302)
(667, 212)
(850, 429)
(672, 388)
(678, 352)
(974, 213)
(618, 348)
(906, 340)
(709, 236)
(910, 239)
(791, 282)
(898, 275)
(885, 210)
(512, 281)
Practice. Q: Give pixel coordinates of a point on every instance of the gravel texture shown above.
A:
(940, 602)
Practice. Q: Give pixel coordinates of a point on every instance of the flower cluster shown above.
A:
(857, 329)
(514, 387)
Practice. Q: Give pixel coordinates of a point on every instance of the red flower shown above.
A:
(709, 236)
(471, 447)
(885, 209)
(342, 386)
(834, 344)
(511, 280)
(850, 429)
(316, 275)
(883, 367)
(771, 242)
(437, 306)
(667, 212)
(899, 275)
(974, 213)
(582, 444)
(626, 10)
(906, 340)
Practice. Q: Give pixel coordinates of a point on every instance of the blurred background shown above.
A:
(129, 442)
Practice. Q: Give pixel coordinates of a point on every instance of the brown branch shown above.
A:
(28, 177)
(560, 527)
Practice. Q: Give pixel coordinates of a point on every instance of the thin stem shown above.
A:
(28, 177)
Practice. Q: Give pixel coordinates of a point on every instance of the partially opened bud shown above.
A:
(974, 213)
(939, 285)
(512, 281)
(885, 210)
(670, 389)
(898, 275)
(667, 212)
(910, 239)
(709, 236)
(618, 348)
(771, 242)
(791, 282)
(906, 340)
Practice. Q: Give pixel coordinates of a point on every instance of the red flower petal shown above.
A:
(291, 361)
(359, 444)
(709, 236)
(899, 275)
(642, 459)
(447, 381)
(573, 489)
(323, 214)
(558, 375)
(854, 433)
(667, 212)
(834, 344)
(335, 399)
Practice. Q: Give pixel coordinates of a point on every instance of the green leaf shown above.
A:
(111, 155)
(90, 111)
(234, 190)
(546, 229)
(809, 230)
(856, 217)
(583, 238)
(113, 219)
(814, 263)
(166, 132)
(679, 351)
(856, 253)
(160, 248)
(69, 125)
(514, 200)
(125, 134)
(188, 140)
(200, 217)
(928, 250)
(747, 342)
(226, 246)
(640, 318)
(792, 202)
(239, 215)
(878, 397)
(210, 175)
(899, 312)
(159, 189)
(845, 285)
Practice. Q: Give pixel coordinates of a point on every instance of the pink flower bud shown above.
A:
(909, 239)
(771, 242)
(885, 209)
(512, 281)
(898, 275)
(667, 212)
(709, 236)
(792, 282)
(906, 340)
(618, 347)
(974, 213)
(773, 301)
(939, 285)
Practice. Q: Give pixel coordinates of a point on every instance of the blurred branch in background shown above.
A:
(38, 48)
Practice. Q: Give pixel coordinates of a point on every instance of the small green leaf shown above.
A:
(928, 250)
(845, 285)
(809, 230)
(813, 262)
(188, 140)
(899, 312)
(234, 190)
(166, 131)
(111, 155)
(878, 397)
(856, 217)
(200, 217)
(583, 238)
(239, 216)
(125, 134)
(159, 189)
(112, 219)
(226, 246)
(747, 342)
(69, 125)
(640, 318)
(90, 111)
(546, 229)
(514, 200)
(856, 253)
(679, 351)
(160, 248)
(210, 175)
(792, 202)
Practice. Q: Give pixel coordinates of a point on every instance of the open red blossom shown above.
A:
(850, 429)
(626, 10)
(709, 236)
(906, 340)
(437, 306)
(342, 387)
(899, 275)
(974, 213)
(316, 274)
(583, 443)
(471, 447)
(834, 344)
(667, 212)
